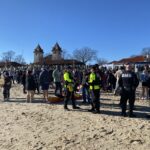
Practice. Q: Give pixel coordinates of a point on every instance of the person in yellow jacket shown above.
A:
(94, 82)
(69, 89)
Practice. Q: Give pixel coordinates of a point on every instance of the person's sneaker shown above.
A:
(124, 114)
(132, 115)
(91, 110)
(148, 116)
(66, 108)
(96, 112)
(76, 107)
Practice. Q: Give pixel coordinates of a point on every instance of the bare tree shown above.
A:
(101, 61)
(146, 51)
(66, 55)
(132, 56)
(8, 56)
(84, 54)
(19, 59)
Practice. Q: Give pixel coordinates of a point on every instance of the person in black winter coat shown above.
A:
(23, 81)
(111, 80)
(30, 86)
(6, 86)
(36, 79)
(128, 81)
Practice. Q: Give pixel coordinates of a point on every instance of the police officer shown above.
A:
(94, 82)
(128, 81)
(69, 88)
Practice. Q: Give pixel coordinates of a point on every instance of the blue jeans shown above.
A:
(86, 94)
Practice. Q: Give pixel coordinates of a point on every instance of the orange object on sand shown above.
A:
(55, 99)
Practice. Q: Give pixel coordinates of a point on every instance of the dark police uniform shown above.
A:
(128, 82)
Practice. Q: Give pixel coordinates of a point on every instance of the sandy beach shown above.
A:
(40, 126)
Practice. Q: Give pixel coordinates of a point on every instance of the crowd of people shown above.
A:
(91, 81)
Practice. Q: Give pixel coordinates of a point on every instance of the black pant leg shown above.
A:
(124, 98)
(84, 94)
(6, 93)
(58, 87)
(67, 98)
(97, 99)
(131, 101)
(73, 99)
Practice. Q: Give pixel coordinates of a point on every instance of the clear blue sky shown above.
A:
(115, 28)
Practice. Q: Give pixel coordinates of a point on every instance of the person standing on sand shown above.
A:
(117, 76)
(94, 83)
(85, 88)
(6, 86)
(144, 80)
(117, 88)
(57, 76)
(45, 82)
(36, 79)
(128, 81)
(23, 81)
(30, 86)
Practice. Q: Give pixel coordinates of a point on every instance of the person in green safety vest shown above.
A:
(94, 82)
(69, 89)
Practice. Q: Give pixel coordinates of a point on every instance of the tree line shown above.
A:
(87, 54)
(84, 55)
(10, 56)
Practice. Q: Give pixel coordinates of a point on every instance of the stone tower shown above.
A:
(56, 52)
(38, 54)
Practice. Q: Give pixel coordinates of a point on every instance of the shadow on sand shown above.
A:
(140, 111)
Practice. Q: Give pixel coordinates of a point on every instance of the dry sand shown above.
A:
(39, 126)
